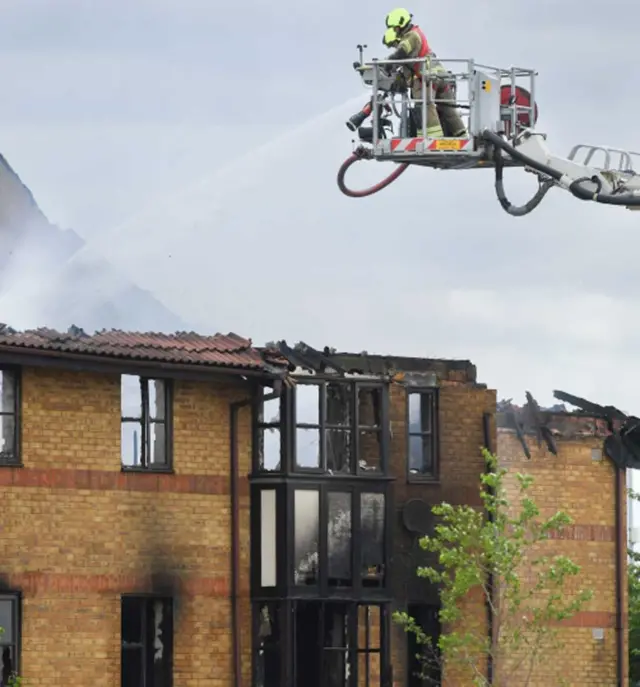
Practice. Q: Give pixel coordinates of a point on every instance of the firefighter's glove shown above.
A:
(399, 83)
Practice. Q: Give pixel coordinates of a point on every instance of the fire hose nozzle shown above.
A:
(355, 121)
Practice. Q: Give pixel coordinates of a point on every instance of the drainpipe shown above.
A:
(235, 539)
(486, 426)
(621, 557)
(234, 476)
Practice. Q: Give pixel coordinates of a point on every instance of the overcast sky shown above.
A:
(197, 146)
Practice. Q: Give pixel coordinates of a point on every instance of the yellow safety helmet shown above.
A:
(398, 18)
(390, 37)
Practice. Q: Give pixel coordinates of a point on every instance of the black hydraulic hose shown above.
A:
(499, 142)
(576, 188)
(517, 210)
(627, 199)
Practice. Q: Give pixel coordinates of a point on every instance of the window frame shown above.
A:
(288, 427)
(147, 599)
(359, 587)
(16, 598)
(262, 425)
(146, 422)
(353, 648)
(433, 393)
(16, 460)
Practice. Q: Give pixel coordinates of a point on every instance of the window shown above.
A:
(9, 424)
(337, 644)
(372, 537)
(338, 427)
(423, 660)
(10, 637)
(422, 460)
(146, 410)
(369, 649)
(269, 434)
(370, 428)
(354, 521)
(147, 641)
(306, 513)
(267, 665)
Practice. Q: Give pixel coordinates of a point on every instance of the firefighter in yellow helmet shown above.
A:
(408, 39)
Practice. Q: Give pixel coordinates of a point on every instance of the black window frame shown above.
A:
(145, 422)
(433, 394)
(290, 635)
(362, 586)
(262, 425)
(15, 460)
(16, 612)
(146, 600)
(288, 427)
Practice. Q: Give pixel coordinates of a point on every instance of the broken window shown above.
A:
(10, 637)
(308, 425)
(269, 434)
(147, 641)
(306, 513)
(333, 640)
(336, 645)
(267, 665)
(370, 428)
(8, 417)
(330, 429)
(145, 406)
(339, 427)
(372, 526)
(423, 659)
(422, 434)
(339, 538)
(369, 645)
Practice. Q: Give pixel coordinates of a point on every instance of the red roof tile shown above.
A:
(188, 348)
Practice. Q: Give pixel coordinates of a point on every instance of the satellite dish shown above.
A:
(417, 516)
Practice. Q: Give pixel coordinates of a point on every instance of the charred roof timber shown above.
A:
(530, 419)
(330, 362)
(620, 432)
(622, 445)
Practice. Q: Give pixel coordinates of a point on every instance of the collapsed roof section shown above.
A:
(620, 432)
(303, 359)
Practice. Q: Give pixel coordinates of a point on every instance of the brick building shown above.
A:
(187, 511)
(130, 553)
(582, 481)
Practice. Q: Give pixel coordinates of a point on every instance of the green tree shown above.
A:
(529, 596)
(14, 679)
(633, 573)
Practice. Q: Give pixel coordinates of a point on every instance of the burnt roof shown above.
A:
(219, 351)
(184, 348)
(301, 355)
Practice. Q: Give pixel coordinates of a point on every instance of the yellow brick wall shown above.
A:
(585, 489)
(74, 550)
(461, 464)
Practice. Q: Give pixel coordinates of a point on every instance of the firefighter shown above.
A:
(409, 41)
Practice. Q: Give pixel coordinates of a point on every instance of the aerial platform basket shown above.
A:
(500, 113)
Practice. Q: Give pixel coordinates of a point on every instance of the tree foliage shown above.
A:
(528, 595)
(14, 680)
(633, 573)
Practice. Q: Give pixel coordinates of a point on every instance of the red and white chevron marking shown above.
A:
(441, 145)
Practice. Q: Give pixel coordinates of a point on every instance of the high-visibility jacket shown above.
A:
(414, 44)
